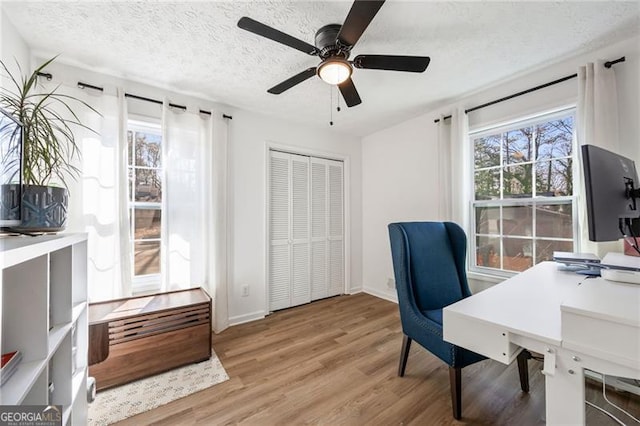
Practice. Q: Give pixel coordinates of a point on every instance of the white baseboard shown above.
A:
(618, 383)
(391, 297)
(258, 315)
(241, 319)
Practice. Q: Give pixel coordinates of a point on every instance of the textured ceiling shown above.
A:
(195, 47)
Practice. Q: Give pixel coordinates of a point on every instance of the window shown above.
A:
(145, 203)
(523, 206)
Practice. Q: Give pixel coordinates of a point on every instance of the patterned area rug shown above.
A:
(119, 403)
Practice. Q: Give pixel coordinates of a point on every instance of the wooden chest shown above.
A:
(140, 336)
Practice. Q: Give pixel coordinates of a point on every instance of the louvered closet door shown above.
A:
(319, 229)
(327, 228)
(300, 243)
(336, 227)
(289, 264)
(306, 230)
(279, 226)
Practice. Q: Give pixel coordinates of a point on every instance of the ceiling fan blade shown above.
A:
(275, 35)
(392, 62)
(360, 16)
(290, 82)
(349, 93)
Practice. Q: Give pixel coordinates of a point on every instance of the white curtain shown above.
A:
(194, 222)
(444, 168)
(96, 197)
(125, 256)
(454, 174)
(184, 216)
(597, 124)
(218, 232)
(194, 200)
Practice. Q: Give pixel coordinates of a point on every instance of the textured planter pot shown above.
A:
(10, 204)
(44, 208)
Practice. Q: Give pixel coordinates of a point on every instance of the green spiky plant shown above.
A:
(50, 148)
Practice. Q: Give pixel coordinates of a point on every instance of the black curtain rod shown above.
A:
(607, 64)
(182, 107)
(46, 75)
(155, 101)
(82, 85)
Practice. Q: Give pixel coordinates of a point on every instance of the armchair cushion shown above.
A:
(434, 315)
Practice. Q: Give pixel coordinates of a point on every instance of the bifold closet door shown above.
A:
(289, 251)
(327, 228)
(319, 229)
(335, 202)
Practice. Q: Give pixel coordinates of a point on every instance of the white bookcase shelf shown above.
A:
(43, 300)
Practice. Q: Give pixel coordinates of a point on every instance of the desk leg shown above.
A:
(565, 392)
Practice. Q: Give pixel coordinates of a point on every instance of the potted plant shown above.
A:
(49, 147)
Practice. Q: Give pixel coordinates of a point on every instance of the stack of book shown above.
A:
(9, 365)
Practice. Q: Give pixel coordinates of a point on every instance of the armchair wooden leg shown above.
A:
(523, 369)
(404, 354)
(455, 380)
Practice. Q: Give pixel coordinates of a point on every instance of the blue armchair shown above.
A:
(429, 267)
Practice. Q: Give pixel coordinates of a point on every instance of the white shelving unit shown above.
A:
(44, 315)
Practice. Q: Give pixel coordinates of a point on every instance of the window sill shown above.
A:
(489, 278)
(145, 284)
(479, 282)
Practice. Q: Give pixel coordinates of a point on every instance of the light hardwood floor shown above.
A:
(335, 361)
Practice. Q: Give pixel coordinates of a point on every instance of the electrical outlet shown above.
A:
(245, 290)
(391, 283)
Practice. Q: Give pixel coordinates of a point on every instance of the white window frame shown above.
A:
(543, 116)
(150, 282)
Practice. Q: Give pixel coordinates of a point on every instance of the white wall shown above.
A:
(398, 184)
(399, 164)
(250, 135)
(12, 47)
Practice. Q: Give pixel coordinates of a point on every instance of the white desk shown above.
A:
(575, 322)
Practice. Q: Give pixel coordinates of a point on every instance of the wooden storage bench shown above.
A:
(140, 336)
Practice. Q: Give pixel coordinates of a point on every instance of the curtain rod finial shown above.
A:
(608, 64)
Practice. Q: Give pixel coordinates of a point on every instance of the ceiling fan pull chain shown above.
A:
(331, 105)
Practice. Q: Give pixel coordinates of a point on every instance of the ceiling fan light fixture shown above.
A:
(335, 71)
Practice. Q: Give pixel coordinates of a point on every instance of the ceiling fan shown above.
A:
(333, 44)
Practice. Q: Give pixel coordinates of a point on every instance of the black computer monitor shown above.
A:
(611, 183)
(10, 170)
